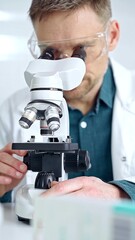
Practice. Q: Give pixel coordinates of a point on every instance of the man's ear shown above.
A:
(113, 35)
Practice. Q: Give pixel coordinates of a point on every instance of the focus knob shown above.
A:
(77, 161)
(43, 180)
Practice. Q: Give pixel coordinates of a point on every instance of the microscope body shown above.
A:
(56, 156)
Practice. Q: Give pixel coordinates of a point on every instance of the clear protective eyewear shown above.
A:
(94, 47)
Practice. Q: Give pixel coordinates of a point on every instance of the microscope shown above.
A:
(56, 156)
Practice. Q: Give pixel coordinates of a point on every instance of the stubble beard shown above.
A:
(78, 93)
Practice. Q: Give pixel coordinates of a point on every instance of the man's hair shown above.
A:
(39, 9)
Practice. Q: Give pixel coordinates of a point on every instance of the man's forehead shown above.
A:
(61, 26)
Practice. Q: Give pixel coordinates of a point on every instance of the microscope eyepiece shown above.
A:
(47, 54)
(80, 53)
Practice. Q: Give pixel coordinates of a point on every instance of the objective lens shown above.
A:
(52, 118)
(28, 118)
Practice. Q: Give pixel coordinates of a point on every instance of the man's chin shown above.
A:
(72, 95)
(78, 92)
(69, 95)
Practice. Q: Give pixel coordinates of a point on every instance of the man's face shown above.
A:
(67, 31)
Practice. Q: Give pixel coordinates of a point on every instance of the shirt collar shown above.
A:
(107, 90)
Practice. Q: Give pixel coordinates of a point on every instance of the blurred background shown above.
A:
(16, 28)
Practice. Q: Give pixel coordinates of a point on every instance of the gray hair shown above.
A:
(39, 9)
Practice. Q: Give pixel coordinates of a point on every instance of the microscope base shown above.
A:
(24, 203)
(24, 220)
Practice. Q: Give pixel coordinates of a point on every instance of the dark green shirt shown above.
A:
(93, 133)
(6, 197)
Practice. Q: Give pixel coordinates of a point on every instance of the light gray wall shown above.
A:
(15, 29)
(19, 26)
(124, 12)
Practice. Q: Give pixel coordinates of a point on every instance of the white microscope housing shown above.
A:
(56, 156)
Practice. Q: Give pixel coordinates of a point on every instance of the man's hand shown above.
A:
(12, 170)
(86, 186)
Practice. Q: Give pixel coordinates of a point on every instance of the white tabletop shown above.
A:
(11, 228)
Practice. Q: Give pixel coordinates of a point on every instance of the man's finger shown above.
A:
(8, 149)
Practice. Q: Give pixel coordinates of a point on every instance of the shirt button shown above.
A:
(83, 124)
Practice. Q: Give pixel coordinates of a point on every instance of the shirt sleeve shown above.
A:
(6, 198)
(128, 187)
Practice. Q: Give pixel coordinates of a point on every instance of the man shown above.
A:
(101, 109)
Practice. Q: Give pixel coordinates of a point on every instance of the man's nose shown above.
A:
(64, 55)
